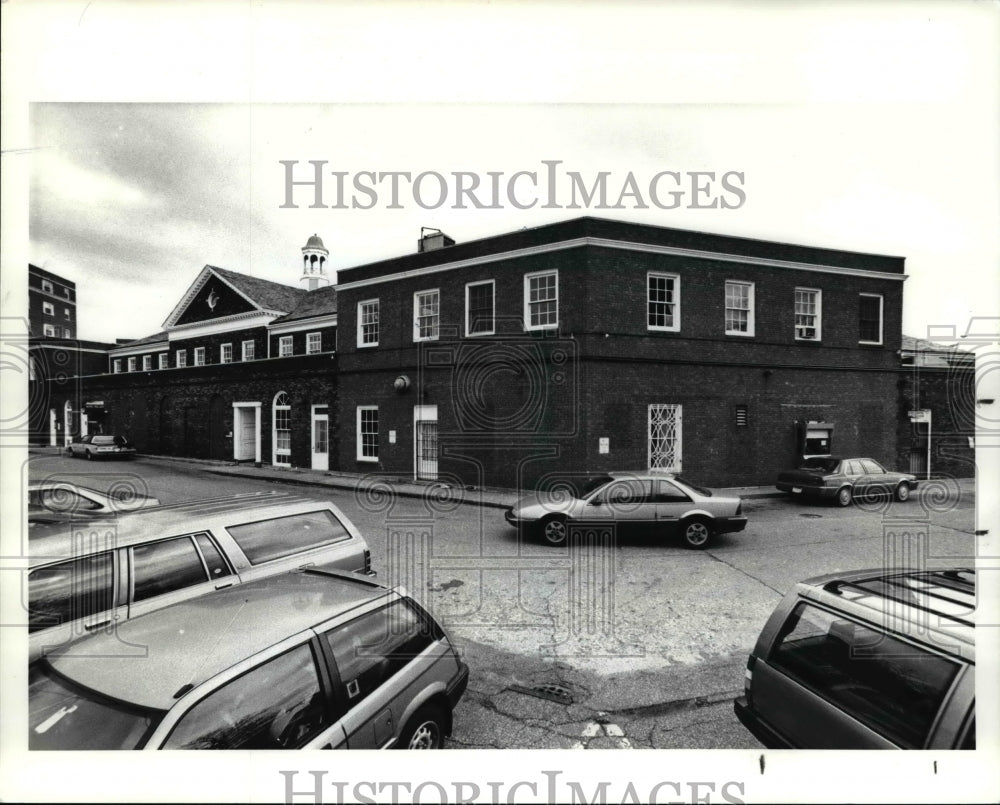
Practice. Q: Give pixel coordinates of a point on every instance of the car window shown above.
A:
(214, 561)
(370, 649)
(276, 705)
(283, 536)
(625, 492)
(69, 590)
(871, 467)
(851, 468)
(165, 566)
(61, 499)
(667, 492)
(103, 440)
(894, 687)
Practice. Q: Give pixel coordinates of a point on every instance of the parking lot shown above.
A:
(613, 641)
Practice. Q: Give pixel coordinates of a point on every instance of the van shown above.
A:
(311, 659)
(90, 575)
(867, 660)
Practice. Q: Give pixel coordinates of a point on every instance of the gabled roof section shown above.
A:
(321, 302)
(138, 342)
(253, 293)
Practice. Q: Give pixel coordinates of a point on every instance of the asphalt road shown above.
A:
(614, 642)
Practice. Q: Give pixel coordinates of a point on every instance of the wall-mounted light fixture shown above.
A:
(401, 384)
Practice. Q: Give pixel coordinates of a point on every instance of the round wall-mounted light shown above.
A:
(401, 384)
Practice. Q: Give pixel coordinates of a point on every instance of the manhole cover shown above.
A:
(551, 692)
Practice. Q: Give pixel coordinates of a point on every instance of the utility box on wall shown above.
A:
(814, 439)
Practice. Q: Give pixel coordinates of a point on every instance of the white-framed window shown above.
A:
(164, 360)
(67, 333)
(282, 418)
(426, 315)
(248, 350)
(480, 308)
(67, 313)
(808, 314)
(66, 293)
(367, 433)
(131, 364)
(199, 356)
(49, 330)
(226, 353)
(147, 363)
(116, 366)
(663, 301)
(284, 346)
(739, 308)
(368, 323)
(181, 358)
(48, 309)
(870, 318)
(314, 343)
(541, 300)
(46, 286)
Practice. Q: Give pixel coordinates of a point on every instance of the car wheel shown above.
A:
(903, 492)
(90, 457)
(844, 496)
(697, 532)
(424, 731)
(554, 530)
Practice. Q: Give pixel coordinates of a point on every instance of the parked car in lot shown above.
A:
(867, 660)
(306, 660)
(97, 445)
(655, 502)
(58, 501)
(843, 479)
(91, 575)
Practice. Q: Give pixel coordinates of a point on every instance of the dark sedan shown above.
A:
(97, 445)
(842, 479)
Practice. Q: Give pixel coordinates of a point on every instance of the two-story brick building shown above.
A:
(567, 349)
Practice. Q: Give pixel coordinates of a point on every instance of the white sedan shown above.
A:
(97, 445)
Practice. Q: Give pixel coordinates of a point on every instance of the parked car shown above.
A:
(95, 574)
(867, 660)
(97, 445)
(306, 660)
(58, 501)
(842, 479)
(656, 502)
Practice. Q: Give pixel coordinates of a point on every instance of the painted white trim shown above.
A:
(326, 320)
(528, 326)
(319, 335)
(64, 348)
(284, 340)
(274, 430)
(222, 352)
(199, 282)
(204, 356)
(160, 362)
(676, 326)
(255, 407)
(243, 350)
(416, 315)
(751, 319)
(493, 312)
(357, 322)
(357, 433)
(626, 246)
(313, 419)
(421, 413)
(238, 322)
(142, 349)
(881, 320)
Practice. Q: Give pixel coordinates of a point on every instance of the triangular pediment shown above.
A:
(217, 295)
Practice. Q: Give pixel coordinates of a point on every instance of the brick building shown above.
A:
(572, 348)
(51, 304)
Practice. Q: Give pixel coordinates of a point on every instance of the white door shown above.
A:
(664, 433)
(425, 442)
(52, 428)
(320, 437)
(246, 436)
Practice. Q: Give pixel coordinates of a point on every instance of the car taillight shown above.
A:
(748, 678)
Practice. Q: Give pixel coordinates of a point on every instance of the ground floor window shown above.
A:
(664, 434)
(367, 435)
(282, 430)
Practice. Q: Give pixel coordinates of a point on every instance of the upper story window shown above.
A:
(50, 330)
(284, 346)
(67, 333)
(131, 364)
(46, 286)
(67, 313)
(426, 315)
(480, 311)
(663, 301)
(226, 353)
(739, 308)
(368, 323)
(164, 359)
(199, 356)
(870, 318)
(808, 314)
(48, 309)
(66, 293)
(147, 363)
(541, 300)
(181, 357)
(314, 343)
(116, 366)
(248, 350)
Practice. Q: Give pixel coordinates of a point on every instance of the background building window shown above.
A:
(479, 308)
(67, 313)
(368, 323)
(164, 359)
(131, 364)
(199, 356)
(314, 343)
(49, 330)
(226, 353)
(807, 314)
(117, 366)
(248, 350)
(67, 333)
(284, 346)
(541, 300)
(181, 357)
(48, 309)
(870, 318)
(367, 436)
(663, 302)
(147, 363)
(282, 430)
(46, 286)
(426, 315)
(739, 308)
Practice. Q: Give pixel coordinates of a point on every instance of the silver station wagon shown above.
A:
(310, 659)
(91, 575)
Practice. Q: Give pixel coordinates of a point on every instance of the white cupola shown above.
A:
(314, 258)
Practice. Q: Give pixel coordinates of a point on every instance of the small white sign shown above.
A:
(392, 437)
(603, 445)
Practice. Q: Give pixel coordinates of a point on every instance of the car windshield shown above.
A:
(701, 490)
(822, 464)
(64, 716)
(105, 440)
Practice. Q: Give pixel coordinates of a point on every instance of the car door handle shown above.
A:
(91, 626)
(224, 585)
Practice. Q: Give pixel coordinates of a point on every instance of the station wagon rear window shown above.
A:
(267, 540)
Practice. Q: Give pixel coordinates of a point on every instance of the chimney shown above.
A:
(432, 239)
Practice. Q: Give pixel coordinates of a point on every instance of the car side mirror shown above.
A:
(597, 502)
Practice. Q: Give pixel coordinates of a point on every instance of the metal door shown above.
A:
(427, 450)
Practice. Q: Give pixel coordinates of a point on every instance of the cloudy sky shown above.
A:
(869, 130)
